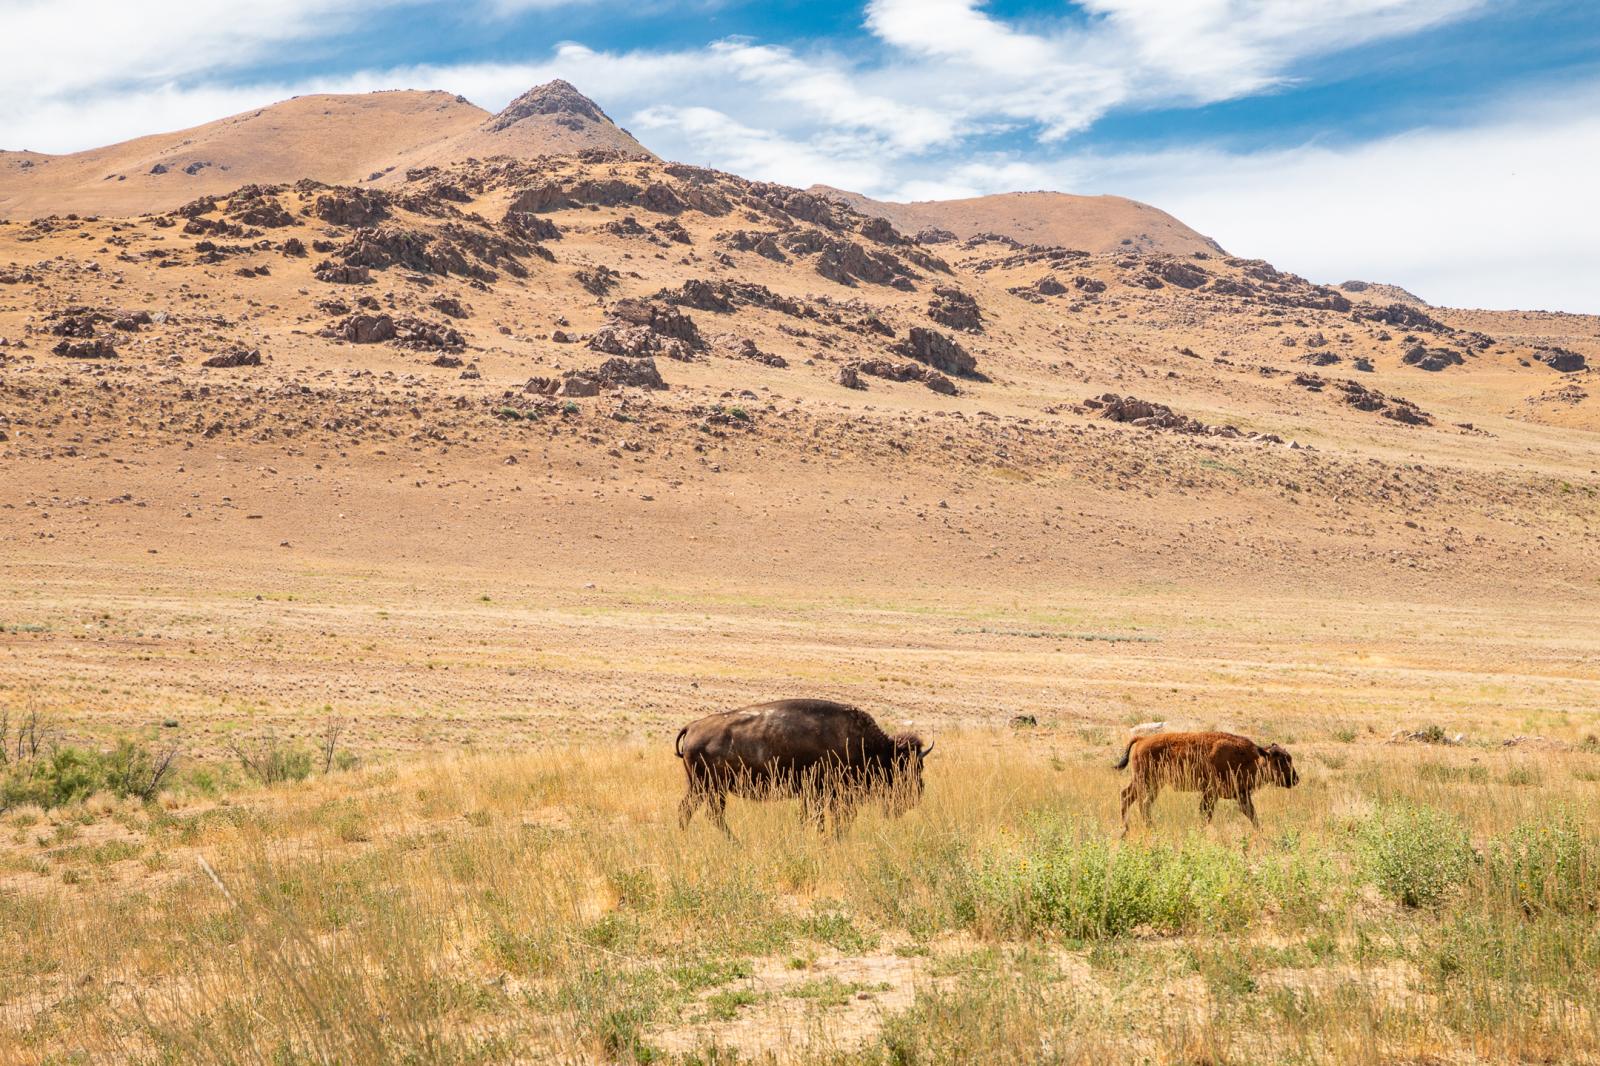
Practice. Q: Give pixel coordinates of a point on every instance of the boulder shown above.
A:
(732, 347)
(1184, 275)
(938, 351)
(1432, 359)
(954, 308)
(93, 348)
(236, 357)
(1561, 359)
(366, 329)
(351, 207)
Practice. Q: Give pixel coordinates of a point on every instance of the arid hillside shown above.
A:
(657, 367)
(1100, 224)
(362, 138)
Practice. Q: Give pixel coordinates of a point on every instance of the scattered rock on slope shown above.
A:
(1561, 359)
(954, 308)
(938, 351)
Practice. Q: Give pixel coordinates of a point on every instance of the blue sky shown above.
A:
(1446, 145)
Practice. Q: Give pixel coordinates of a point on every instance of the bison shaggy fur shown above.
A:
(829, 755)
(1216, 765)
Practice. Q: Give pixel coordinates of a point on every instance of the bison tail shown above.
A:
(677, 745)
(1122, 763)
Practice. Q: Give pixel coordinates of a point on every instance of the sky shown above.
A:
(1449, 146)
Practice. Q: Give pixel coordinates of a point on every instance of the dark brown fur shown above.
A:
(830, 755)
(1216, 765)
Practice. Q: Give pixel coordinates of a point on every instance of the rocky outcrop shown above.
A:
(1144, 413)
(557, 98)
(667, 321)
(763, 244)
(454, 249)
(93, 348)
(404, 332)
(1401, 316)
(699, 294)
(341, 274)
(611, 374)
(836, 258)
(256, 205)
(77, 321)
(235, 358)
(364, 329)
(599, 281)
(730, 346)
(344, 206)
(1362, 398)
(891, 371)
(938, 351)
(1184, 275)
(1434, 359)
(419, 333)
(529, 226)
(1567, 362)
(643, 329)
(725, 296)
(847, 262)
(954, 308)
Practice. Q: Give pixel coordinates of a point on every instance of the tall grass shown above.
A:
(546, 908)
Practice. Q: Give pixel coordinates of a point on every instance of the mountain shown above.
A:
(1090, 223)
(549, 119)
(366, 137)
(593, 365)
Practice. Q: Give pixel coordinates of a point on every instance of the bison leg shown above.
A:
(686, 809)
(1249, 808)
(716, 809)
(1131, 795)
(1147, 800)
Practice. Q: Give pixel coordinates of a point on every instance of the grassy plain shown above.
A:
(497, 874)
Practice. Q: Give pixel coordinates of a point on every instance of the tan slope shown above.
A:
(1089, 223)
(338, 139)
(326, 137)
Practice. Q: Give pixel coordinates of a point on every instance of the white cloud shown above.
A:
(1065, 74)
(1212, 50)
(57, 47)
(1491, 215)
(735, 147)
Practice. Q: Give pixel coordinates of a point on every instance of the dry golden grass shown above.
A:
(545, 907)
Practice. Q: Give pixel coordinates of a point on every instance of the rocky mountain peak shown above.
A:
(557, 98)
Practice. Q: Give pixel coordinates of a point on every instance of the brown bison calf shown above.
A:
(829, 755)
(1216, 765)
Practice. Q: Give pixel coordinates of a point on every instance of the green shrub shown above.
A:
(1545, 868)
(66, 774)
(1415, 854)
(1087, 887)
(270, 761)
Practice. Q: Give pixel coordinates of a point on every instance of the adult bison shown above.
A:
(1216, 765)
(830, 755)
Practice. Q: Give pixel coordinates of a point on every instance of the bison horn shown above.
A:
(924, 752)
